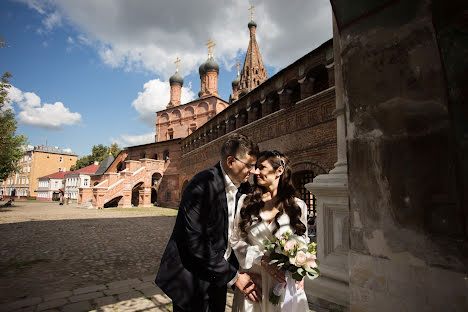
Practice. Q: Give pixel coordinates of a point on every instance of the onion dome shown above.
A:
(236, 82)
(211, 65)
(251, 24)
(201, 69)
(176, 79)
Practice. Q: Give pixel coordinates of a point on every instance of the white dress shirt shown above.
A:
(231, 192)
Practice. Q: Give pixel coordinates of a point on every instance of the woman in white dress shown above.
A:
(270, 210)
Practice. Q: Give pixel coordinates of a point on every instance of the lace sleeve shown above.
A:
(246, 254)
(303, 207)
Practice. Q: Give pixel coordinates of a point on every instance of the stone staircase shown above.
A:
(120, 184)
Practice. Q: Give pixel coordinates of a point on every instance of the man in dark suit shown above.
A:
(198, 264)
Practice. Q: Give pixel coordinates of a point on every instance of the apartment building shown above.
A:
(37, 161)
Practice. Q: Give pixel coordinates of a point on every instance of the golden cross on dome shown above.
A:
(238, 65)
(177, 61)
(210, 44)
(251, 12)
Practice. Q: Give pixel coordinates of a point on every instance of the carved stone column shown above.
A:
(332, 220)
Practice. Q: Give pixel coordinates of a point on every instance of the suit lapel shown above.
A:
(222, 200)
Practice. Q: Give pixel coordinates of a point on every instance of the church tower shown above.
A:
(209, 74)
(253, 73)
(176, 82)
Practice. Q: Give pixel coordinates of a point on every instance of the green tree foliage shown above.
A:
(98, 153)
(10, 144)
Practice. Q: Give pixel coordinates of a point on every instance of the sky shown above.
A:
(95, 72)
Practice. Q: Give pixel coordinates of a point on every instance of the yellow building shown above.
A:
(35, 163)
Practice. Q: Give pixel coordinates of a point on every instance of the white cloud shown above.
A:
(52, 20)
(130, 140)
(150, 34)
(155, 97)
(47, 116)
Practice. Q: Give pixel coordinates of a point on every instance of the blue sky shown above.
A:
(90, 72)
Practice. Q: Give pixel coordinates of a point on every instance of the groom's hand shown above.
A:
(247, 286)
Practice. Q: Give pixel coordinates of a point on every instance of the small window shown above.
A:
(168, 195)
(85, 183)
(61, 159)
(60, 169)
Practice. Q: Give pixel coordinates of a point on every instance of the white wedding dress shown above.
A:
(249, 251)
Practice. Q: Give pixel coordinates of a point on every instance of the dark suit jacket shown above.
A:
(193, 271)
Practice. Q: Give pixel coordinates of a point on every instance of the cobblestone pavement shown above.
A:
(47, 248)
(67, 258)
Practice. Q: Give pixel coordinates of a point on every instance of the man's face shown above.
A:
(240, 167)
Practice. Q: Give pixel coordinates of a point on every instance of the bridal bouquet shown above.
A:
(290, 252)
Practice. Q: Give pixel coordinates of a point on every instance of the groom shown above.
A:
(198, 264)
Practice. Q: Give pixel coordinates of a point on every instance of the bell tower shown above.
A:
(254, 72)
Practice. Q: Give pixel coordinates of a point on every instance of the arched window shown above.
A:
(166, 155)
(155, 157)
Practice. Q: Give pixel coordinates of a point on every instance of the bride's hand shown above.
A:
(300, 285)
(273, 270)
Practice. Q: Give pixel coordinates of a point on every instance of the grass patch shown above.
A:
(169, 307)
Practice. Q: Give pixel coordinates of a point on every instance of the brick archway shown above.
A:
(317, 168)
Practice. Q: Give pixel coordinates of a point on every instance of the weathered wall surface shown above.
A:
(408, 226)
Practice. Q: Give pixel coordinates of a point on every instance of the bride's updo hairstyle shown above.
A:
(285, 197)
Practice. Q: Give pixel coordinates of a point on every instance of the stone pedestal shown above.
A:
(332, 223)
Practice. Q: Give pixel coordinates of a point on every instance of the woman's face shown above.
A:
(265, 173)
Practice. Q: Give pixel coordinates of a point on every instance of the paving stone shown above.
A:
(51, 304)
(129, 295)
(103, 301)
(58, 295)
(135, 304)
(144, 285)
(151, 291)
(162, 299)
(89, 289)
(15, 305)
(129, 282)
(26, 309)
(148, 278)
(77, 307)
(158, 309)
(88, 296)
(116, 291)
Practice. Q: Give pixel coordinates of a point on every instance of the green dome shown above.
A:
(176, 79)
(252, 23)
(211, 65)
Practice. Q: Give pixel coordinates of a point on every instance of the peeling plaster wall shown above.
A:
(408, 242)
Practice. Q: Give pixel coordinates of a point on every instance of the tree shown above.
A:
(98, 153)
(11, 145)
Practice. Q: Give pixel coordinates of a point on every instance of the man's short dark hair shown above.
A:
(238, 145)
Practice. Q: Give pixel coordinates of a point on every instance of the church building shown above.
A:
(291, 112)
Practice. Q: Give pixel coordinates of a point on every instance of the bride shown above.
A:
(271, 209)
